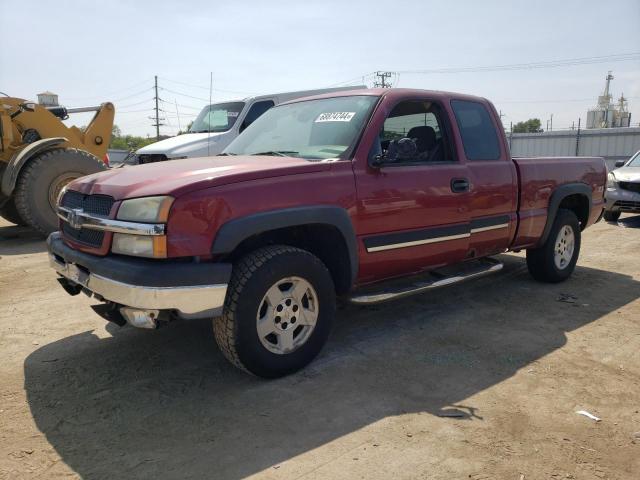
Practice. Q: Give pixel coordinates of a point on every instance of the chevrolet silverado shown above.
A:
(366, 195)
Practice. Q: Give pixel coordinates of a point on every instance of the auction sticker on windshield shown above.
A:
(335, 117)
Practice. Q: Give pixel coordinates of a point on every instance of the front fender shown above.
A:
(232, 233)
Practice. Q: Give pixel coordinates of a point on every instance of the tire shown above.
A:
(9, 212)
(267, 270)
(555, 261)
(43, 177)
(611, 216)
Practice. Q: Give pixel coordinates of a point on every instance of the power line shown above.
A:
(553, 101)
(118, 112)
(132, 95)
(183, 94)
(620, 57)
(112, 93)
(181, 105)
(360, 78)
(136, 103)
(207, 88)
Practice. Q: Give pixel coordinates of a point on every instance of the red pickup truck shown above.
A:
(369, 195)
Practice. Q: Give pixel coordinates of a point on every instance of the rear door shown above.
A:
(492, 174)
(413, 209)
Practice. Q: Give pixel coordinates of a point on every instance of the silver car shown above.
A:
(623, 189)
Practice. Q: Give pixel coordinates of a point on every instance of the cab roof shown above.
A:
(393, 94)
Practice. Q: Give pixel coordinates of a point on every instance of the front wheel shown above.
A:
(556, 259)
(278, 312)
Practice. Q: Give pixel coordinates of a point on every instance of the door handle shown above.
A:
(459, 185)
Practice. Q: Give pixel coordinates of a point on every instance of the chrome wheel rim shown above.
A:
(287, 315)
(565, 245)
(58, 183)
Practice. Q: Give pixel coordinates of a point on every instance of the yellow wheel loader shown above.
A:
(39, 155)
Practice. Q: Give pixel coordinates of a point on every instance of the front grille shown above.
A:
(151, 158)
(92, 238)
(92, 204)
(631, 186)
(634, 206)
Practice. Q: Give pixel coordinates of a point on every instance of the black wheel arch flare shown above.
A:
(235, 231)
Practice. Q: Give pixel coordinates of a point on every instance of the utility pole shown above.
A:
(552, 122)
(157, 116)
(382, 82)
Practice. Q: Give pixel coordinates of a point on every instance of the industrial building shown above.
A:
(607, 114)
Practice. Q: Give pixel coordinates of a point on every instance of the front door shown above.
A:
(413, 207)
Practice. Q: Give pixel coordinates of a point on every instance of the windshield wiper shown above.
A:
(277, 153)
(224, 154)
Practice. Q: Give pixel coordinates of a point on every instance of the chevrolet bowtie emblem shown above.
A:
(74, 219)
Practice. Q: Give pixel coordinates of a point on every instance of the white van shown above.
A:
(218, 124)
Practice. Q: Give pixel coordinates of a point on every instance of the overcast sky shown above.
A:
(89, 51)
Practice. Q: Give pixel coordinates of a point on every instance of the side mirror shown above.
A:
(376, 161)
(620, 163)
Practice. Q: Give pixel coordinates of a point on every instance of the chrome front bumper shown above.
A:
(165, 289)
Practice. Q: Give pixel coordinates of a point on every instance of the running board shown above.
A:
(399, 288)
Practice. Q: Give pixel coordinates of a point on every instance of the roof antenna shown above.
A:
(209, 119)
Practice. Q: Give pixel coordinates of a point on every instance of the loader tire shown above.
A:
(42, 179)
(9, 212)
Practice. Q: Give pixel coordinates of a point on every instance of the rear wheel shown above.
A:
(9, 212)
(42, 180)
(611, 216)
(278, 312)
(556, 259)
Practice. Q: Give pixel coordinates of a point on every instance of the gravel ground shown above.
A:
(478, 381)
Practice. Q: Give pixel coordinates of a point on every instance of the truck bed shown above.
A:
(538, 177)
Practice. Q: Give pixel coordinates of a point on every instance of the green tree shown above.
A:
(530, 126)
(187, 129)
(127, 142)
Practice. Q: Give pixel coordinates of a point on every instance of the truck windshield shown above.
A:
(635, 161)
(218, 117)
(312, 129)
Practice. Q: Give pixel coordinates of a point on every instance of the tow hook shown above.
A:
(140, 318)
(71, 288)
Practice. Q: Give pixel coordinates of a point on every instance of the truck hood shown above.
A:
(627, 174)
(180, 145)
(177, 177)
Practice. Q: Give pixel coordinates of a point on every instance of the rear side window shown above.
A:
(479, 136)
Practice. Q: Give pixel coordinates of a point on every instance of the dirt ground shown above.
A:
(511, 359)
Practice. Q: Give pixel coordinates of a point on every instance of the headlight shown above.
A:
(143, 210)
(611, 181)
(152, 246)
(146, 209)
